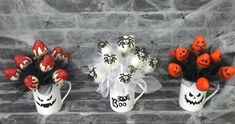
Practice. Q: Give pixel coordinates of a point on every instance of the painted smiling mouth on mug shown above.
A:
(193, 102)
(46, 105)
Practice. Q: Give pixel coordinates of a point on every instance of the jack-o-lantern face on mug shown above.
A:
(199, 44)
(195, 98)
(203, 61)
(46, 101)
(226, 72)
(181, 54)
(174, 69)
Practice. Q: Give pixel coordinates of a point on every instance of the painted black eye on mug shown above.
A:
(40, 99)
(190, 94)
(49, 98)
(199, 95)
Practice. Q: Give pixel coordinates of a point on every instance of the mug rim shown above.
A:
(184, 79)
(37, 92)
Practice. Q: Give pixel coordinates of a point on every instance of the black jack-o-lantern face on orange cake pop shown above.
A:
(226, 72)
(199, 44)
(215, 56)
(181, 53)
(174, 69)
(203, 61)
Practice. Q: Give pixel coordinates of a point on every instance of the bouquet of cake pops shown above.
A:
(121, 67)
(200, 68)
(200, 64)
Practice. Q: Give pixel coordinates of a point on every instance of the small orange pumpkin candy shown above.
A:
(181, 53)
(215, 56)
(203, 61)
(226, 72)
(203, 84)
(174, 69)
(172, 53)
(199, 44)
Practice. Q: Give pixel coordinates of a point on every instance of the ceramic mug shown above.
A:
(51, 101)
(192, 99)
(124, 101)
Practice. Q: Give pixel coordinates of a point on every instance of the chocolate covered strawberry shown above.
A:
(43, 65)
(12, 74)
(22, 61)
(47, 63)
(39, 48)
(66, 57)
(59, 76)
(57, 53)
(31, 82)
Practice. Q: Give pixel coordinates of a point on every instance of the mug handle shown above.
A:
(144, 89)
(67, 91)
(217, 89)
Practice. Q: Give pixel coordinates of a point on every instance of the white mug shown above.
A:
(192, 99)
(51, 102)
(124, 101)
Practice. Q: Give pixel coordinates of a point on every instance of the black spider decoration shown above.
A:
(126, 40)
(125, 78)
(92, 73)
(217, 34)
(48, 22)
(102, 44)
(124, 98)
(110, 58)
(142, 53)
(203, 118)
(182, 15)
(153, 62)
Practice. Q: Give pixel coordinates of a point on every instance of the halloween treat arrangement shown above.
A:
(120, 72)
(200, 68)
(43, 69)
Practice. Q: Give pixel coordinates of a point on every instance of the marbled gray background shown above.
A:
(70, 23)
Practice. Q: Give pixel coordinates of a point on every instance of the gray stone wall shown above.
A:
(69, 23)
